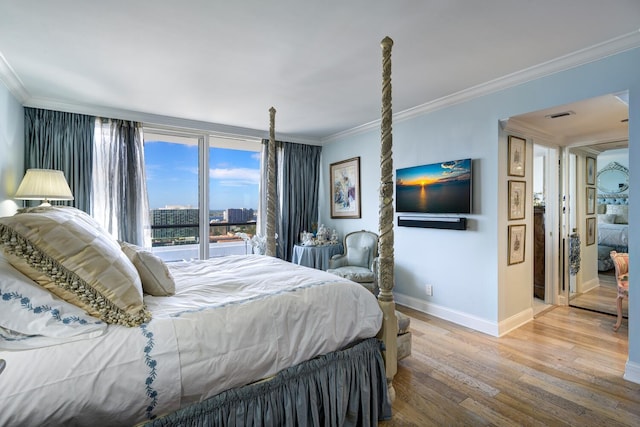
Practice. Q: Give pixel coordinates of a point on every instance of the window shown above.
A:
(179, 189)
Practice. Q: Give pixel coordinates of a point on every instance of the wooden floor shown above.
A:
(601, 298)
(563, 368)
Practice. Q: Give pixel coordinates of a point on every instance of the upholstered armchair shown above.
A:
(621, 265)
(357, 261)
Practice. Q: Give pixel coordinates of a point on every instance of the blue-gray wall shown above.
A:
(472, 283)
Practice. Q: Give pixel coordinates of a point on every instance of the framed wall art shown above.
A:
(591, 231)
(345, 188)
(516, 243)
(517, 151)
(590, 171)
(591, 200)
(517, 199)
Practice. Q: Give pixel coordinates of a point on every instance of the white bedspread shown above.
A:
(233, 320)
(615, 235)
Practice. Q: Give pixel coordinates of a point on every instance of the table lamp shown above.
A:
(45, 185)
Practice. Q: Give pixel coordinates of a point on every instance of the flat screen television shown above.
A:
(437, 188)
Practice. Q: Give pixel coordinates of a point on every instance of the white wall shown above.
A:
(11, 149)
(472, 284)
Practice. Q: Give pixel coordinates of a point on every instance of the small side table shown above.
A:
(315, 256)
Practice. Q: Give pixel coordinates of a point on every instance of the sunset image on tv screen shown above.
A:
(443, 188)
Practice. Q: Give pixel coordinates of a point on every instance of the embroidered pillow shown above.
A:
(358, 256)
(63, 250)
(28, 311)
(154, 274)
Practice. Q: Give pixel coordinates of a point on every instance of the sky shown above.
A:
(172, 176)
(433, 173)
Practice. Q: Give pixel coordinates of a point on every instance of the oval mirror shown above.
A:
(613, 178)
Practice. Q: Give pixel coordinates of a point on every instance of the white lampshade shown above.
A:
(44, 184)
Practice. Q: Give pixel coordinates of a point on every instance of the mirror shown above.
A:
(613, 178)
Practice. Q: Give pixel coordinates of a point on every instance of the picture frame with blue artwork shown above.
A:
(345, 188)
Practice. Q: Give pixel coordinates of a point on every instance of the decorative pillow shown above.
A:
(601, 209)
(606, 218)
(358, 256)
(28, 311)
(61, 249)
(156, 277)
(621, 212)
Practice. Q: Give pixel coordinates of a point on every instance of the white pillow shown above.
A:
(63, 250)
(156, 277)
(621, 212)
(29, 313)
(606, 218)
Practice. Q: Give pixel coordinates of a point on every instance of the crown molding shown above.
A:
(584, 56)
(525, 129)
(11, 80)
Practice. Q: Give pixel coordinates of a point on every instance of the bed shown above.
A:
(613, 232)
(97, 332)
(252, 316)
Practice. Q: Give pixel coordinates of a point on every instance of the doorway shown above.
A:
(588, 128)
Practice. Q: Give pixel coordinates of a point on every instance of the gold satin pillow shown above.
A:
(65, 251)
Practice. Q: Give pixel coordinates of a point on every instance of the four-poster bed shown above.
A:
(296, 346)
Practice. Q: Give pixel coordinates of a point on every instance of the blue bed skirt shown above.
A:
(344, 388)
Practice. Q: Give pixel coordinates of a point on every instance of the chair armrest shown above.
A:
(338, 260)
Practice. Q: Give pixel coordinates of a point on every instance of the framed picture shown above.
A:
(517, 199)
(591, 200)
(345, 187)
(591, 231)
(591, 171)
(517, 151)
(516, 243)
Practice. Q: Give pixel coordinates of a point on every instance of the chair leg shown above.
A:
(619, 307)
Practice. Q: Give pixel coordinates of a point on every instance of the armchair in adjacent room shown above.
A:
(621, 265)
(356, 263)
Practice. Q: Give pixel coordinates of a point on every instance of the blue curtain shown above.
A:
(62, 141)
(300, 187)
(298, 184)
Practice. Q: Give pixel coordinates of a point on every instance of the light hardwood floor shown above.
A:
(563, 368)
(603, 297)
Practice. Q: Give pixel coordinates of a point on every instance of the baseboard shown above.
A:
(457, 317)
(632, 372)
(515, 321)
(589, 285)
(464, 319)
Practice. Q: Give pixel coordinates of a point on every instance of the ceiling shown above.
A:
(599, 123)
(318, 63)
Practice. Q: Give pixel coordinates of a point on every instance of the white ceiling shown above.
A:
(318, 63)
(599, 123)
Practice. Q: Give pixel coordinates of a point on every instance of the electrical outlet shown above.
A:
(429, 290)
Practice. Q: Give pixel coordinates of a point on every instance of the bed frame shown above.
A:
(389, 331)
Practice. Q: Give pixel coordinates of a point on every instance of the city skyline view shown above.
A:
(172, 176)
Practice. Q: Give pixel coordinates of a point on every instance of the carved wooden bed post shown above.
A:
(389, 331)
(271, 187)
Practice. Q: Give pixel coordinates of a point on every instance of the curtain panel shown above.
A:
(298, 183)
(120, 202)
(62, 141)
